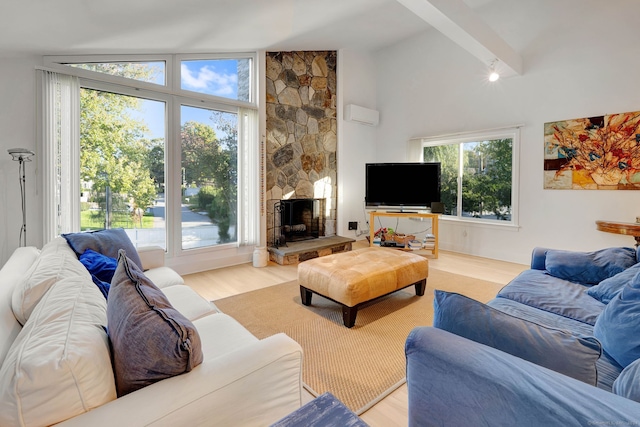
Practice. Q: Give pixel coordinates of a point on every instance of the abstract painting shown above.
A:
(594, 153)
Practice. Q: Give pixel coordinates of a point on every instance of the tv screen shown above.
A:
(414, 185)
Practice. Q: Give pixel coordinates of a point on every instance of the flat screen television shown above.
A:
(402, 185)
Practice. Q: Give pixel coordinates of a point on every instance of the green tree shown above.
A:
(487, 179)
(200, 146)
(210, 162)
(113, 151)
(447, 155)
(155, 163)
(225, 173)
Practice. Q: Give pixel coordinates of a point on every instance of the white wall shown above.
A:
(579, 61)
(356, 142)
(18, 130)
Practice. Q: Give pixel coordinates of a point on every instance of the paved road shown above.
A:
(197, 229)
(189, 218)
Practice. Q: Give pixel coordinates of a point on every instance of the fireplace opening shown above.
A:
(298, 219)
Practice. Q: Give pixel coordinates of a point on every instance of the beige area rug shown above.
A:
(361, 365)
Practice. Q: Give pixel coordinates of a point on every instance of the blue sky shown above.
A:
(214, 77)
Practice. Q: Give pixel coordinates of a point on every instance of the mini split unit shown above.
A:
(365, 116)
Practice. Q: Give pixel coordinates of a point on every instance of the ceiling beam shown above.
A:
(461, 24)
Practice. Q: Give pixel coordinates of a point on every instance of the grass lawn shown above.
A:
(94, 220)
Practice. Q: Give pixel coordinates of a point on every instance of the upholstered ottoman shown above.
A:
(356, 277)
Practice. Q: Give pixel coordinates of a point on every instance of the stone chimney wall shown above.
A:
(301, 134)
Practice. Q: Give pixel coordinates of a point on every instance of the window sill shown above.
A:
(480, 223)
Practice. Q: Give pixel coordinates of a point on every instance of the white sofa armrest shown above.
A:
(151, 257)
(10, 274)
(255, 385)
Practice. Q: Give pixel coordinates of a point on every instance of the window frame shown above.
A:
(172, 73)
(512, 133)
(176, 183)
(172, 94)
(215, 56)
(60, 63)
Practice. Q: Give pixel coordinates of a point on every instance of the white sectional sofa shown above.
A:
(56, 368)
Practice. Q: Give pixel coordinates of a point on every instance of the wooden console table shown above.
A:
(628, 228)
(432, 216)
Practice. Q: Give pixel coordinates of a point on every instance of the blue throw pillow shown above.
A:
(609, 288)
(589, 267)
(103, 286)
(107, 242)
(102, 266)
(555, 349)
(150, 340)
(618, 326)
(628, 382)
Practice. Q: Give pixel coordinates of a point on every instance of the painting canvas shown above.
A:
(594, 153)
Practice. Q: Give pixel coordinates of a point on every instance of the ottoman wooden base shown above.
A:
(349, 313)
(354, 278)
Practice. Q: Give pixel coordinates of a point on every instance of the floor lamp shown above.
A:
(22, 155)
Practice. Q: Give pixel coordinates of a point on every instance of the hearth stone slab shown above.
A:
(296, 252)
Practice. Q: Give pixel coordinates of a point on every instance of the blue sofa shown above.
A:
(558, 346)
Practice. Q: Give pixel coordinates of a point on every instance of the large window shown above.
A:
(159, 147)
(122, 165)
(479, 175)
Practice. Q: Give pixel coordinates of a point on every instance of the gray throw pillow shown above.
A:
(105, 242)
(555, 349)
(150, 339)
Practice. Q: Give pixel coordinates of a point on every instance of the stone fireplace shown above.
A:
(301, 141)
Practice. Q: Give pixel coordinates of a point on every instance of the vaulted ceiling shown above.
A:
(36, 27)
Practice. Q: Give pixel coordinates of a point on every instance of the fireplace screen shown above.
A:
(297, 219)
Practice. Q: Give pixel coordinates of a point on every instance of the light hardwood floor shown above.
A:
(392, 410)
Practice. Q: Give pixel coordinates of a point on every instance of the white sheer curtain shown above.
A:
(60, 129)
(249, 178)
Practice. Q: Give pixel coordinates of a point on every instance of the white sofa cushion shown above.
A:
(222, 334)
(189, 302)
(56, 261)
(151, 257)
(59, 365)
(164, 277)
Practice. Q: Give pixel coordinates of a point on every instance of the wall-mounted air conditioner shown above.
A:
(355, 113)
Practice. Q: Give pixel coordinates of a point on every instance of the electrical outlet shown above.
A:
(353, 225)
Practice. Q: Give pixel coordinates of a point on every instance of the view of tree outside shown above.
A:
(448, 157)
(122, 160)
(209, 176)
(486, 173)
(150, 72)
(121, 171)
